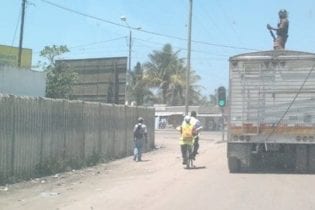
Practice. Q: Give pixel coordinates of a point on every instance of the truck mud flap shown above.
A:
(305, 158)
(234, 164)
(238, 156)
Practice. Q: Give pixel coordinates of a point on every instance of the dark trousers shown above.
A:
(184, 149)
(137, 152)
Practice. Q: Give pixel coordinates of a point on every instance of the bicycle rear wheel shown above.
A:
(189, 162)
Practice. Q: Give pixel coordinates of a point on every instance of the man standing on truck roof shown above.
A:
(282, 30)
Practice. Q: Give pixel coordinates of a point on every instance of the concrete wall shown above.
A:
(99, 79)
(38, 134)
(22, 82)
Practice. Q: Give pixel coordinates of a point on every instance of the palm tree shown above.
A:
(177, 89)
(166, 73)
(195, 95)
(160, 69)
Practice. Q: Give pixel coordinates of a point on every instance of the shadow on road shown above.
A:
(275, 171)
(144, 160)
(196, 167)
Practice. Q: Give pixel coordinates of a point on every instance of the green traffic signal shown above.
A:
(221, 96)
(222, 103)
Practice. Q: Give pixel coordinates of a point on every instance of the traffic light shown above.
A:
(221, 96)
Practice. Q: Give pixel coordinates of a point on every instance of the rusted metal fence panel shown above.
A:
(91, 121)
(107, 131)
(43, 136)
(74, 132)
(6, 136)
(27, 139)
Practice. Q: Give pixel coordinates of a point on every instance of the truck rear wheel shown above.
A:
(234, 164)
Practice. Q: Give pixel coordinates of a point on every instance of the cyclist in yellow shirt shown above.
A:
(187, 137)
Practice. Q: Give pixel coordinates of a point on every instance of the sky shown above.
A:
(220, 29)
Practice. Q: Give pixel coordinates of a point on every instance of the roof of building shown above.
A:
(163, 110)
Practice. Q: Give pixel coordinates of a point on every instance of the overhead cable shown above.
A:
(142, 30)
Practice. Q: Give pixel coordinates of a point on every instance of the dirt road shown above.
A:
(161, 182)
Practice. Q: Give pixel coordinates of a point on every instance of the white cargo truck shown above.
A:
(271, 111)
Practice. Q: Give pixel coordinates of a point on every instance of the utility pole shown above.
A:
(129, 67)
(223, 130)
(129, 60)
(123, 18)
(188, 58)
(21, 33)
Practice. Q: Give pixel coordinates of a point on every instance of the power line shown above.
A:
(227, 19)
(226, 46)
(208, 17)
(92, 43)
(95, 43)
(181, 48)
(144, 31)
(83, 14)
(275, 127)
(16, 28)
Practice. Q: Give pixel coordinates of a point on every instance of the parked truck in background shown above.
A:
(271, 111)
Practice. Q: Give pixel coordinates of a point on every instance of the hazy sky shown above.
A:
(220, 29)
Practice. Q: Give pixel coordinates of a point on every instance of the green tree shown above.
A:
(165, 72)
(195, 95)
(160, 71)
(60, 78)
(214, 98)
(177, 88)
(51, 52)
(211, 100)
(137, 87)
(177, 92)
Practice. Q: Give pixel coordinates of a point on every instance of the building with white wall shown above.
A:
(22, 82)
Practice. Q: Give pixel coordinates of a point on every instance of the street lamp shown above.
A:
(124, 19)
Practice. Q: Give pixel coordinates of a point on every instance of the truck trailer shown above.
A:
(271, 111)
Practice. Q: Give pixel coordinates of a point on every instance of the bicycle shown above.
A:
(189, 154)
(189, 158)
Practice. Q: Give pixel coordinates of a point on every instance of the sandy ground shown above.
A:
(161, 182)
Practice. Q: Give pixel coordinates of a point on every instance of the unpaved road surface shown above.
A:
(161, 182)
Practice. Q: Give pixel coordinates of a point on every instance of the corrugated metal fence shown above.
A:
(41, 136)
